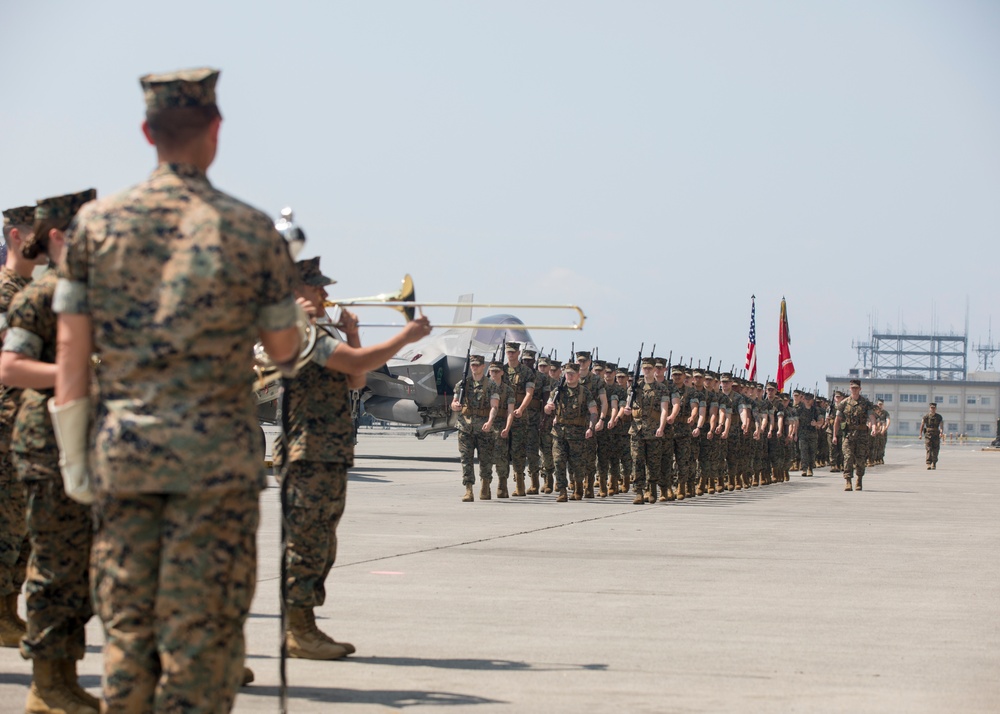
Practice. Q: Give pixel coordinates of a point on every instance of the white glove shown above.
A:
(70, 423)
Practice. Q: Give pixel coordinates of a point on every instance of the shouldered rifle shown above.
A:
(460, 394)
(636, 374)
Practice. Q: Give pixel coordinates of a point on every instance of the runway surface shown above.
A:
(789, 598)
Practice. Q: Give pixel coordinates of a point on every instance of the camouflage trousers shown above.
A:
(932, 444)
(473, 442)
(807, 449)
(733, 446)
(315, 495)
(679, 449)
(856, 446)
(822, 447)
(775, 452)
(708, 457)
(666, 479)
(173, 576)
(569, 452)
(623, 449)
(57, 592)
(608, 461)
(836, 451)
(14, 544)
(646, 457)
(499, 457)
(523, 438)
(531, 441)
(545, 447)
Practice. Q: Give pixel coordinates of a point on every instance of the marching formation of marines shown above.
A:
(663, 432)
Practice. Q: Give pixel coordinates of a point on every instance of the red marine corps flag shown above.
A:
(751, 365)
(785, 367)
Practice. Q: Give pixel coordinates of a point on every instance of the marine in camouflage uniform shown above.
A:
(665, 481)
(522, 378)
(59, 529)
(174, 280)
(534, 417)
(616, 397)
(478, 407)
(500, 457)
(314, 455)
(809, 419)
(930, 429)
(823, 445)
(550, 367)
(606, 465)
(575, 410)
(858, 416)
(14, 544)
(835, 445)
(775, 429)
(882, 419)
(683, 415)
(596, 386)
(649, 408)
(622, 427)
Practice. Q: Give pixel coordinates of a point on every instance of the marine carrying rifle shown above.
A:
(636, 373)
(460, 394)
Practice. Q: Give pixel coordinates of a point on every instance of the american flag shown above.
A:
(751, 364)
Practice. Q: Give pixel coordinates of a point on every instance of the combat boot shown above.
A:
(49, 694)
(305, 641)
(548, 483)
(12, 610)
(847, 484)
(612, 487)
(72, 681)
(577, 489)
(248, 676)
(562, 497)
(680, 490)
(468, 498)
(484, 491)
(588, 491)
(651, 498)
(670, 494)
(640, 497)
(518, 484)
(11, 630)
(699, 489)
(858, 486)
(533, 491)
(502, 487)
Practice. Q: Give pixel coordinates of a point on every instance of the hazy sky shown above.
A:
(654, 162)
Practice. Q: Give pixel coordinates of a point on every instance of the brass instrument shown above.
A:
(404, 301)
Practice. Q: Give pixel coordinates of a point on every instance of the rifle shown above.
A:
(652, 352)
(708, 367)
(460, 394)
(636, 375)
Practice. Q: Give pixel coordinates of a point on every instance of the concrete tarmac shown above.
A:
(796, 597)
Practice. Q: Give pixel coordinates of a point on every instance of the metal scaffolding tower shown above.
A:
(896, 356)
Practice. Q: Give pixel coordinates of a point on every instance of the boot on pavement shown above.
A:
(49, 693)
(305, 641)
(468, 497)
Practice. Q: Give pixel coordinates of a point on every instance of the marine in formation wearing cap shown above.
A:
(522, 378)
(857, 414)
(931, 426)
(649, 409)
(185, 281)
(477, 400)
(14, 544)
(59, 528)
(501, 429)
(595, 385)
(575, 410)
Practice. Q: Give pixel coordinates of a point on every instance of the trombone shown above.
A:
(404, 300)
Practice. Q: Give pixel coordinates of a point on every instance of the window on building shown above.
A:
(970, 400)
(953, 426)
(985, 429)
(969, 429)
(939, 400)
(884, 397)
(904, 398)
(986, 401)
(953, 399)
(913, 398)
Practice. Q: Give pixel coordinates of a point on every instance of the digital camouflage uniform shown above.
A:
(607, 464)
(14, 544)
(178, 278)
(58, 592)
(680, 447)
(835, 449)
(808, 436)
(623, 442)
(533, 415)
(545, 440)
(501, 453)
(727, 444)
(854, 415)
(619, 448)
(315, 452)
(595, 385)
(882, 418)
(647, 447)
(572, 407)
(523, 439)
(477, 400)
(932, 425)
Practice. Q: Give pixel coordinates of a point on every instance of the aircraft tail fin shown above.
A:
(463, 313)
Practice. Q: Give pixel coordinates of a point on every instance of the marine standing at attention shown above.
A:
(14, 545)
(478, 401)
(170, 283)
(858, 416)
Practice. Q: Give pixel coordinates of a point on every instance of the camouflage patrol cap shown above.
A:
(555, 364)
(798, 391)
(529, 354)
(496, 364)
(659, 362)
(309, 273)
(513, 347)
(543, 361)
(583, 354)
(648, 362)
(726, 377)
(709, 374)
(611, 365)
(855, 382)
(698, 372)
(20, 216)
(621, 372)
(477, 360)
(180, 89)
(677, 370)
(572, 367)
(58, 211)
(772, 385)
(808, 396)
(598, 365)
